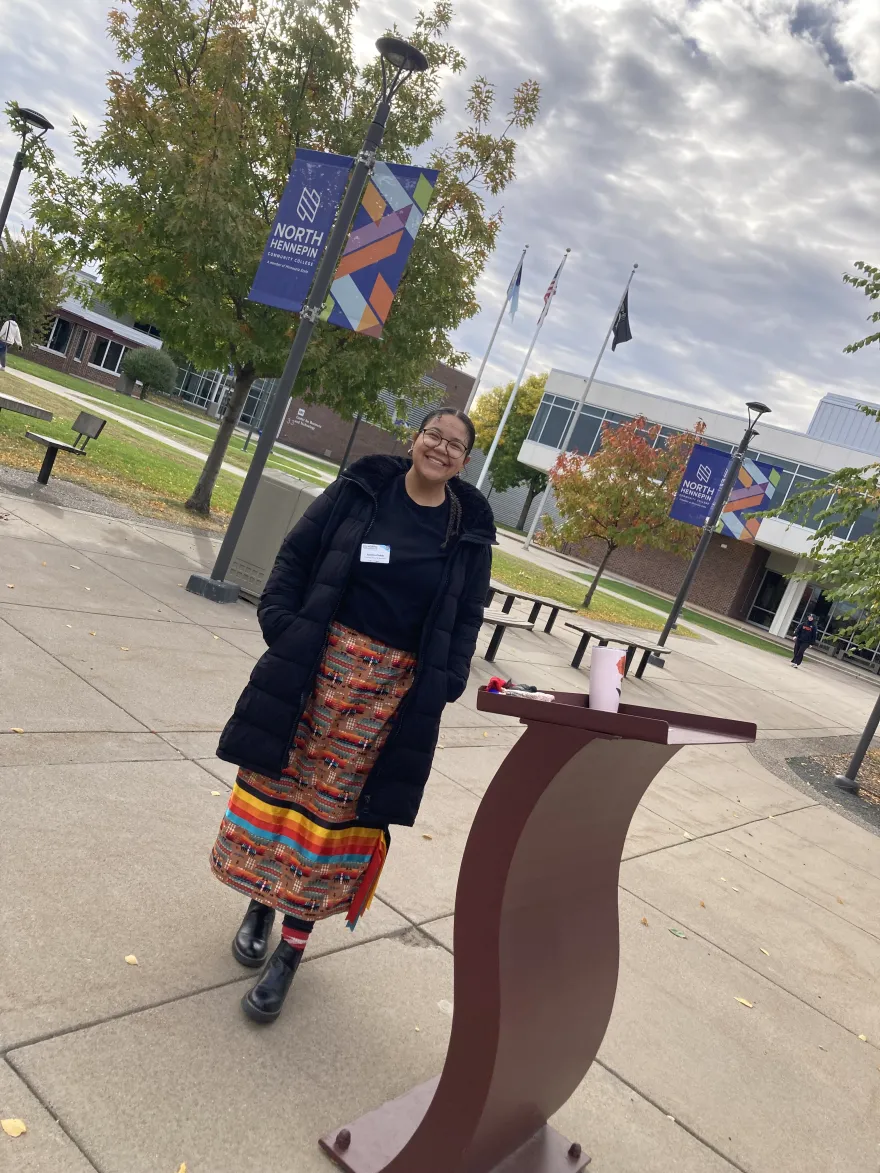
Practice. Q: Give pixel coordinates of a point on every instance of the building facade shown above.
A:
(90, 341)
(748, 581)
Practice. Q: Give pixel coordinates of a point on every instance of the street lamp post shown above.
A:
(848, 781)
(31, 123)
(399, 60)
(708, 529)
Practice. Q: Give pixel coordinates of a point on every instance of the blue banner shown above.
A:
(305, 216)
(700, 485)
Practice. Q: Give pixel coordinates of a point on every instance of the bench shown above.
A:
(502, 621)
(605, 637)
(87, 427)
(537, 601)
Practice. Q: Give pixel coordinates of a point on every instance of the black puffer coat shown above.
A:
(298, 606)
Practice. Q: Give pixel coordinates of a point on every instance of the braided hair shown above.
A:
(453, 527)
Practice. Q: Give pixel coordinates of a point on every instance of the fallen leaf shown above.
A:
(93, 633)
(72, 567)
(727, 849)
(418, 1029)
(645, 921)
(678, 933)
(216, 793)
(668, 1117)
(88, 588)
(839, 901)
(216, 637)
(485, 734)
(123, 649)
(131, 959)
(44, 563)
(723, 879)
(743, 1002)
(702, 904)
(771, 816)
(863, 1038)
(70, 625)
(427, 836)
(766, 952)
(10, 586)
(687, 835)
(733, 889)
(15, 729)
(13, 1127)
(182, 1168)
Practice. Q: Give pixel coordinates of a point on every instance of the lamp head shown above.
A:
(401, 55)
(34, 118)
(758, 408)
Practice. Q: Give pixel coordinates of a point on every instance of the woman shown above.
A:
(371, 615)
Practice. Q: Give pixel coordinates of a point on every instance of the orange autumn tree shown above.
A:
(621, 496)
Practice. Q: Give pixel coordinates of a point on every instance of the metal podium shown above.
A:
(536, 942)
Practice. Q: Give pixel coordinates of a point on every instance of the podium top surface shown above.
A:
(633, 722)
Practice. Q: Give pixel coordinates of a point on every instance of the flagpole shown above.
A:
(476, 386)
(510, 402)
(577, 414)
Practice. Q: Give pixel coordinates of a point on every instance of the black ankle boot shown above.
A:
(263, 1003)
(251, 943)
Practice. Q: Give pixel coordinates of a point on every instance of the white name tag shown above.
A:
(375, 553)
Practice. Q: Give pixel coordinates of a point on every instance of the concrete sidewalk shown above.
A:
(111, 798)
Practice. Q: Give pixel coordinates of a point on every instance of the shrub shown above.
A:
(154, 368)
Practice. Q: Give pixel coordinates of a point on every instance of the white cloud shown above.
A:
(716, 142)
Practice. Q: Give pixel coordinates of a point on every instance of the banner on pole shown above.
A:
(305, 216)
(382, 237)
(753, 491)
(700, 485)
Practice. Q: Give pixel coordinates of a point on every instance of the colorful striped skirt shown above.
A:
(296, 844)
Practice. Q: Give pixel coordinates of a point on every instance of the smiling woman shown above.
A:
(371, 615)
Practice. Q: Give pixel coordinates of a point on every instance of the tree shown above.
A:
(155, 369)
(868, 280)
(622, 495)
(33, 282)
(178, 191)
(506, 472)
(849, 571)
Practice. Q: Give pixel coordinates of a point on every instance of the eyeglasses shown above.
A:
(433, 439)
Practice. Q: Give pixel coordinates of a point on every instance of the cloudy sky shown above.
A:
(730, 147)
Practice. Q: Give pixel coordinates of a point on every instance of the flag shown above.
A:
(550, 294)
(513, 288)
(622, 332)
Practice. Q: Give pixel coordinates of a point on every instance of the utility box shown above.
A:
(279, 503)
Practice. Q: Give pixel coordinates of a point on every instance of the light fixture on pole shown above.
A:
(33, 125)
(848, 781)
(399, 60)
(730, 476)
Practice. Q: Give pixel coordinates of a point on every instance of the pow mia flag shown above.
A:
(622, 332)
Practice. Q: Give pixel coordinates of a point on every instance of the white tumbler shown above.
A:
(606, 675)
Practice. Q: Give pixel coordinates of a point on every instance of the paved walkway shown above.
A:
(122, 415)
(110, 799)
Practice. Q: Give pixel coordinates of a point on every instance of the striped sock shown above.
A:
(295, 932)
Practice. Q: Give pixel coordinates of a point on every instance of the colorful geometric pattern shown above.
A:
(753, 491)
(296, 844)
(385, 227)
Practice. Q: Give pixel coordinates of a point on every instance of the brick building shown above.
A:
(752, 581)
(320, 431)
(90, 341)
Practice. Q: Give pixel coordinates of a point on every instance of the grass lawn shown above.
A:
(177, 423)
(689, 616)
(516, 572)
(142, 473)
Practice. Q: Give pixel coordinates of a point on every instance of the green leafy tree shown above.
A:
(506, 472)
(155, 369)
(33, 282)
(621, 496)
(866, 278)
(177, 193)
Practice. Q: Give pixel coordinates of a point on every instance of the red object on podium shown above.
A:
(536, 942)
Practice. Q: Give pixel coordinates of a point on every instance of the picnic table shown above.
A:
(604, 636)
(537, 601)
(19, 405)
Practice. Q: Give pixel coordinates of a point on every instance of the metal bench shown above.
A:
(501, 622)
(537, 601)
(603, 637)
(87, 427)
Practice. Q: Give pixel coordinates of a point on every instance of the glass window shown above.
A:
(717, 444)
(786, 465)
(864, 524)
(538, 421)
(80, 345)
(556, 423)
(59, 335)
(107, 355)
(585, 432)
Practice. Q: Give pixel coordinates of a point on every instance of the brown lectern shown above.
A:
(536, 942)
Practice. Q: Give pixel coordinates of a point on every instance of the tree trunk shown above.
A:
(200, 501)
(597, 576)
(523, 517)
